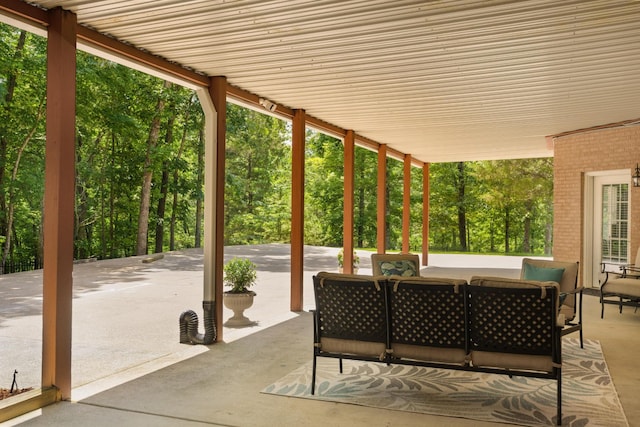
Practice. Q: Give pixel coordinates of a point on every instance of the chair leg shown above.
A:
(581, 339)
(313, 376)
(580, 321)
(341, 365)
(559, 397)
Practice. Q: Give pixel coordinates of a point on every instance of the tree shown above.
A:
(365, 217)
(257, 162)
(147, 175)
(21, 142)
(140, 144)
(461, 206)
(324, 190)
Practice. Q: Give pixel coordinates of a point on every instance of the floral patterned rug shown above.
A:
(588, 395)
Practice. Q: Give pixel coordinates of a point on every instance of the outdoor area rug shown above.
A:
(588, 395)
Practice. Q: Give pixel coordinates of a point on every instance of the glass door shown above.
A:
(615, 223)
(607, 222)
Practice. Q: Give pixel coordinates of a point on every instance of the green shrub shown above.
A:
(239, 274)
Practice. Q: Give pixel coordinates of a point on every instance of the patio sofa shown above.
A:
(492, 325)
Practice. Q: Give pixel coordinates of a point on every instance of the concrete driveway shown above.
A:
(125, 312)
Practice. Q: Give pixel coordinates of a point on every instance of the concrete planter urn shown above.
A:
(238, 303)
(239, 275)
(356, 261)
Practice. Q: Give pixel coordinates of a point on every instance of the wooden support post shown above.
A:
(381, 244)
(425, 213)
(347, 232)
(59, 198)
(218, 94)
(406, 204)
(297, 210)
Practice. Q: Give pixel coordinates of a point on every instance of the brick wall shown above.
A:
(581, 153)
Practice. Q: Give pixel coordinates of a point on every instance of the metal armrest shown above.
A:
(603, 269)
(575, 291)
(630, 271)
(604, 265)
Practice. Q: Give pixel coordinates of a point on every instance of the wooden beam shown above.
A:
(26, 402)
(381, 208)
(25, 12)
(367, 143)
(425, 213)
(349, 178)
(297, 210)
(326, 127)
(406, 204)
(59, 199)
(132, 53)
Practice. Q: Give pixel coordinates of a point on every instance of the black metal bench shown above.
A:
(492, 325)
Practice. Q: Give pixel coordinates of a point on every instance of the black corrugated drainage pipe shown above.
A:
(189, 326)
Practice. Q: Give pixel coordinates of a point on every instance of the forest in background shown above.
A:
(140, 174)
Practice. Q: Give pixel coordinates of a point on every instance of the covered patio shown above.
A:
(132, 371)
(420, 82)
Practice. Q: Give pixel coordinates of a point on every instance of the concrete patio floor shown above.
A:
(130, 370)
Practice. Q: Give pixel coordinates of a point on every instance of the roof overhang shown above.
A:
(442, 81)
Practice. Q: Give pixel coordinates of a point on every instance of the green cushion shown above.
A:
(542, 274)
(398, 268)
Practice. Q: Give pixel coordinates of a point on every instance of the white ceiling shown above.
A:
(441, 80)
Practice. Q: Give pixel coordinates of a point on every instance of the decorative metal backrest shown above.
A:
(427, 314)
(512, 320)
(350, 307)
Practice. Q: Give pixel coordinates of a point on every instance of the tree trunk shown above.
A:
(492, 236)
(387, 210)
(200, 183)
(164, 188)
(176, 176)
(145, 193)
(112, 202)
(162, 202)
(526, 239)
(84, 223)
(361, 214)
(507, 226)
(548, 237)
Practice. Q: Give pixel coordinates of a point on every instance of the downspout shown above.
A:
(189, 319)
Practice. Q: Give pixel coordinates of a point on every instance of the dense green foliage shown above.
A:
(492, 206)
(258, 178)
(139, 174)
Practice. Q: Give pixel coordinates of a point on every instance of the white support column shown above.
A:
(210, 158)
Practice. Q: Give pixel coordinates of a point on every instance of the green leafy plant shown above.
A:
(239, 274)
(356, 259)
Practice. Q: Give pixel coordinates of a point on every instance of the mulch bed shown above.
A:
(6, 393)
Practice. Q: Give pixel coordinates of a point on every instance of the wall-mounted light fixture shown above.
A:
(268, 105)
(636, 177)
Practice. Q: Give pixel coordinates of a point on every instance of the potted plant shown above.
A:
(239, 274)
(356, 261)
